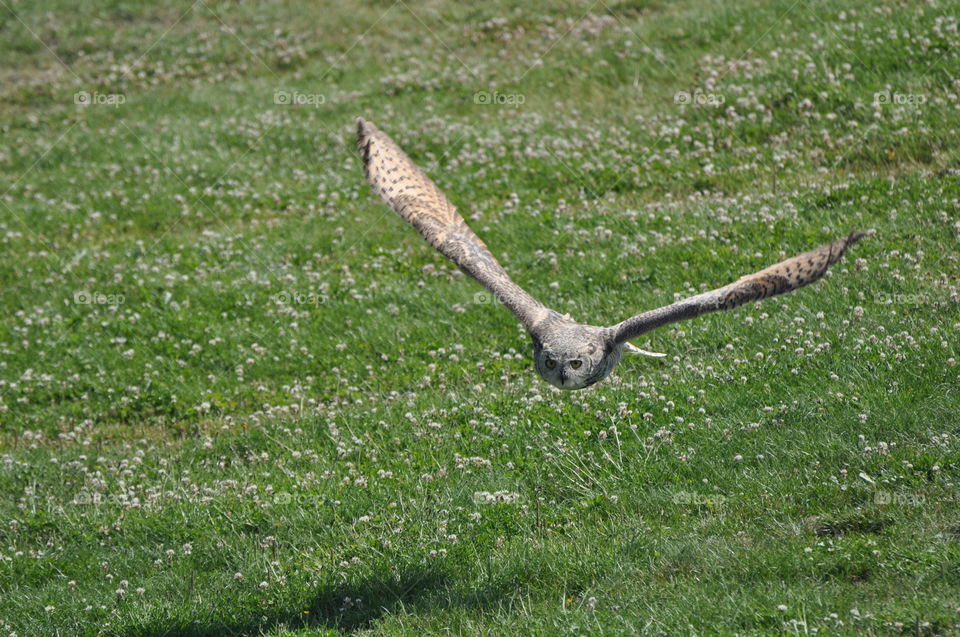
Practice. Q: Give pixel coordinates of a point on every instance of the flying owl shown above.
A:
(567, 354)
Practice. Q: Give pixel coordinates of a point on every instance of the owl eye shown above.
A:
(550, 363)
(576, 364)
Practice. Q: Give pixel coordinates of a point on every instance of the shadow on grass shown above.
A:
(370, 599)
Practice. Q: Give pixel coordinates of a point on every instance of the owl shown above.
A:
(567, 354)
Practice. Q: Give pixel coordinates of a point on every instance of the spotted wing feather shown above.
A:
(781, 278)
(412, 195)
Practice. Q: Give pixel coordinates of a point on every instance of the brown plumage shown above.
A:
(780, 278)
(417, 199)
(567, 354)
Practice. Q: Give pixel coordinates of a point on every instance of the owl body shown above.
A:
(567, 354)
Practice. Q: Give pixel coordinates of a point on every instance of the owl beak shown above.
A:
(563, 378)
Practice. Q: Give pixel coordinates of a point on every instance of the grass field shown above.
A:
(239, 396)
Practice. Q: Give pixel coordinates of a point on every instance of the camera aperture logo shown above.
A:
(86, 98)
(496, 98)
(296, 98)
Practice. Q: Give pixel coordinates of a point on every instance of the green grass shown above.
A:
(237, 389)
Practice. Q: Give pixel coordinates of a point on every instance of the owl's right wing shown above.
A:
(417, 199)
(780, 278)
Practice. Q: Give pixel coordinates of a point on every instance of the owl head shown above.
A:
(571, 361)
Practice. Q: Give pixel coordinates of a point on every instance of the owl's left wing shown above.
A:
(412, 195)
(781, 278)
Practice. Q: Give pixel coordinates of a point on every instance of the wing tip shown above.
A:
(365, 132)
(364, 128)
(839, 248)
(854, 236)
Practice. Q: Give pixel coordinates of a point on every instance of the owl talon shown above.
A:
(633, 349)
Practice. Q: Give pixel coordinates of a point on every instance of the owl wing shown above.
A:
(417, 199)
(781, 278)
